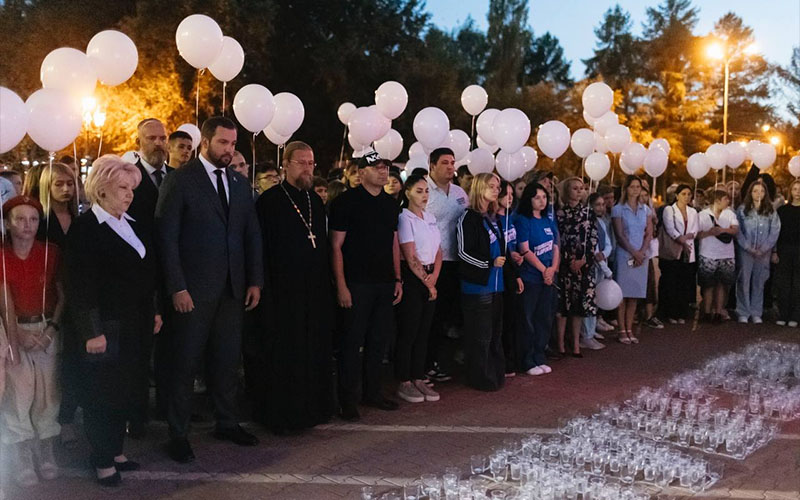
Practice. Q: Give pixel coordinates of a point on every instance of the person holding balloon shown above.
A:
(633, 228)
(759, 229)
(511, 302)
(787, 280)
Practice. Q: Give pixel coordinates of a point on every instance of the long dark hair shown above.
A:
(525, 206)
(623, 196)
(411, 181)
(766, 207)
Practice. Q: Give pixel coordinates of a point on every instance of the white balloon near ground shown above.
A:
(390, 145)
(597, 166)
(655, 162)
(633, 155)
(697, 166)
(736, 154)
(54, 120)
(458, 142)
(794, 166)
(480, 161)
(484, 125)
(602, 124)
(69, 70)
(597, 99)
(192, 130)
(254, 107)
(530, 156)
(229, 62)
(582, 142)
(431, 126)
(608, 295)
(13, 119)
(492, 148)
(716, 156)
(553, 139)
(511, 129)
(344, 111)
(391, 99)
(764, 155)
(510, 166)
(199, 40)
(474, 99)
(617, 138)
(113, 56)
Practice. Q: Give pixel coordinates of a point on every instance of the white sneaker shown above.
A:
(742, 319)
(591, 344)
(427, 392)
(603, 326)
(599, 336)
(536, 370)
(757, 320)
(546, 368)
(407, 392)
(780, 322)
(792, 324)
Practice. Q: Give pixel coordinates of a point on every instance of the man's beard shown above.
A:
(156, 158)
(220, 161)
(305, 182)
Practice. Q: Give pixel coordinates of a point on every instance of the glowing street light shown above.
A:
(775, 140)
(765, 128)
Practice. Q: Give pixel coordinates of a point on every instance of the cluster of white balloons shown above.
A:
(733, 154)
(372, 125)
(278, 116)
(52, 115)
(201, 44)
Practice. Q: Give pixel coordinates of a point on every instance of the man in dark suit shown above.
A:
(210, 251)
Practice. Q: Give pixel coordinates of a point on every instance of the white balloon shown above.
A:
(607, 295)
(511, 129)
(736, 154)
(484, 125)
(597, 166)
(697, 166)
(510, 166)
(597, 99)
(617, 138)
(289, 114)
(764, 155)
(492, 148)
(458, 141)
(417, 149)
(54, 120)
(391, 99)
(582, 142)
(794, 166)
(357, 146)
(661, 144)
(191, 129)
(254, 107)
(344, 112)
(416, 162)
(390, 145)
(480, 161)
(474, 99)
(384, 124)
(633, 154)
(553, 138)
(274, 137)
(530, 156)
(431, 126)
(229, 62)
(69, 70)
(717, 156)
(359, 153)
(627, 168)
(113, 57)
(602, 124)
(589, 119)
(199, 40)
(13, 119)
(750, 147)
(655, 162)
(600, 144)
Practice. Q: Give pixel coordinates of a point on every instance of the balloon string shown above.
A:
(613, 169)
(472, 135)
(583, 171)
(47, 233)
(197, 105)
(224, 86)
(100, 146)
(5, 287)
(252, 172)
(341, 153)
(77, 177)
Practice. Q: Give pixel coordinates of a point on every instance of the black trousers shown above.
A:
(536, 314)
(511, 304)
(414, 318)
(676, 288)
(70, 379)
(447, 312)
(483, 346)
(105, 431)
(367, 325)
(787, 283)
(216, 326)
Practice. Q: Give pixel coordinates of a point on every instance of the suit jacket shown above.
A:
(145, 197)
(201, 250)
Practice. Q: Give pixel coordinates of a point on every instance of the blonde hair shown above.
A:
(105, 171)
(479, 184)
(564, 186)
(49, 174)
(293, 146)
(790, 198)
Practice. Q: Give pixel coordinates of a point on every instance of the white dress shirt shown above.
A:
(121, 227)
(424, 233)
(211, 170)
(447, 208)
(151, 171)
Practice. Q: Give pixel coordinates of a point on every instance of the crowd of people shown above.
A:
(179, 269)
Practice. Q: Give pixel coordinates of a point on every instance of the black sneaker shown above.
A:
(654, 322)
(438, 375)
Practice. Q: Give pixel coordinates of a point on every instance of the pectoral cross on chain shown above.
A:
(311, 236)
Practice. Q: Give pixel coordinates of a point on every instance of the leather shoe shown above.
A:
(127, 466)
(180, 450)
(236, 435)
(382, 404)
(350, 413)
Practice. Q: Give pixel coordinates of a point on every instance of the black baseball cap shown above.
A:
(371, 158)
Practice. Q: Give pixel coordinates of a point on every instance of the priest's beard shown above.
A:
(304, 182)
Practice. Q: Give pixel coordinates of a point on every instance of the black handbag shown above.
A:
(726, 237)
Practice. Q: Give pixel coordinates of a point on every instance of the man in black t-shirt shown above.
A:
(365, 256)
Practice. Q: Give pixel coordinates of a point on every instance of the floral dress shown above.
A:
(578, 231)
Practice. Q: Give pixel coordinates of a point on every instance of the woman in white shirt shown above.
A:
(716, 270)
(420, 245)
(676, 257)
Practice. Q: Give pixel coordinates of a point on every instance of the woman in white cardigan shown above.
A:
(677, 286)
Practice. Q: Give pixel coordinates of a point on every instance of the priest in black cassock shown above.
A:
(297, 307)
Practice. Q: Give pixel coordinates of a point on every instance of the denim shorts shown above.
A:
(712, 272)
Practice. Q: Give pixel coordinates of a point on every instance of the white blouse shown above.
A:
(423, 232)
(121, 227)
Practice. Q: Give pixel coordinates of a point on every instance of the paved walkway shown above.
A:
(387, 449)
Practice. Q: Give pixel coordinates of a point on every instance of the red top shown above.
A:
(25, 279)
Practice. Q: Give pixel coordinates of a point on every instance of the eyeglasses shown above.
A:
(304, 163)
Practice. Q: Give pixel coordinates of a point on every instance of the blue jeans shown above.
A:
(589, 325)
(753, 274)
(535, 323)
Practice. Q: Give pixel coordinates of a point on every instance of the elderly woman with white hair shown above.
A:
(111, 278)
